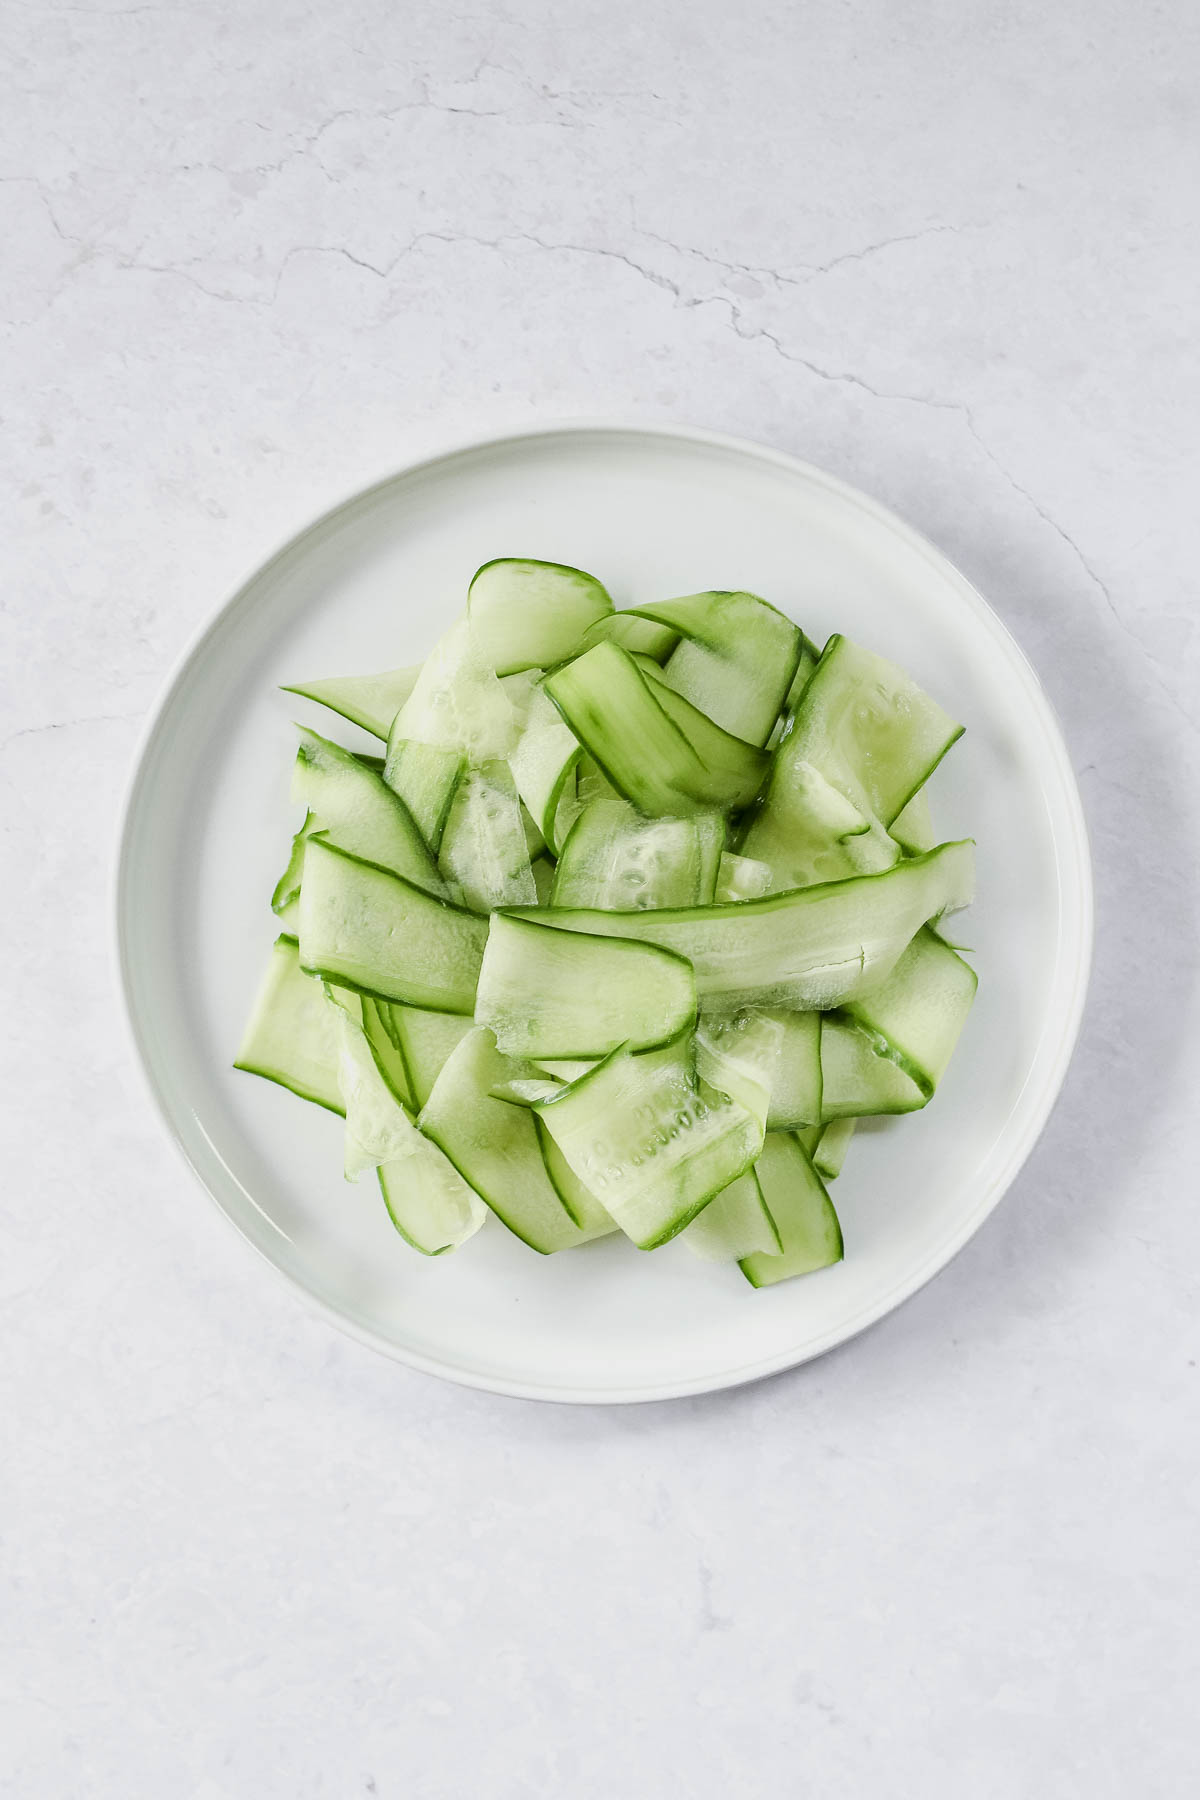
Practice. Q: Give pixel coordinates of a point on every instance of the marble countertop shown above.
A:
(255, 257)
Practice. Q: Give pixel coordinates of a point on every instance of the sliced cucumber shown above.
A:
(291, 1036)
(912, 828)
(769, 1060)
(738, 1056)
(613, 709)
(614, 857)
(459, 702)
(829, 1152)
(371, 701)
(735, 659)
(858, 1081)
(579, 1200)
(813, 948)
(364, 927)
(425, 777)
(543, 761)
(734, 1225)
(426, 1041)
(802, 1211)
(496, 1147)
(547, 993)
(381, 1038)
(652, 1142)
(429, 1203)
(531, 615)
(871, 731)
(542, 870)
(287, 888)
(484, 848)
(359, 813)
(807, 831)
(741, 878)
(916, 1015)
(640, 636)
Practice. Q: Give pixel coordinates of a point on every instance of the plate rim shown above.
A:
(1077, 841)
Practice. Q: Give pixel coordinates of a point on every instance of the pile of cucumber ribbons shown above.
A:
(632, 920)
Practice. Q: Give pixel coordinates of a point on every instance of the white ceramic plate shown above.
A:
(370, 585)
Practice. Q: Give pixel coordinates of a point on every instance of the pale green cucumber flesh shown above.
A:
(364, 927)
(358, 812)
(370, 701)
(484, 847)
(734, 1224)
(560, 994)
(426, 1041)
(735, 660)
(425, 777)
(802, 1211)
(526, 614)
(616, 858)
(495, 1146)
(291, 1037)
(615, 712)
(810, 949)
(829, 1152)
(650, 1141)
(858, 1081)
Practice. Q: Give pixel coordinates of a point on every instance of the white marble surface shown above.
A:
(254, 256)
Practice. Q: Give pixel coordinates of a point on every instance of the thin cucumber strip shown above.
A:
(808, 832)
(564, 994)
(738, 1057)
(495, 1145)
(796, 1071)
(661, 767)
(359, 813)
(912, 828)
(615, 857)
(290, 1037)
(542, 870)
(288, 916)
(858, 1081)
(916, 1015)
(565, 1068)
(814, 948)
(389, 1058)
(459, 702)
(869, 729)
(371, 701)
(426, 1041)
(364, 927)
(535, 843)
(287, 888)
(726, 758)
(429, 1203)
(769, 1060)
(741, 878)
(735, 660)
(734, 1224)
(829, 1153)
(531, 615)
(810, 656)
(425, 777)
(803, 1213)
(543, 761)
(579, 1200)
(640, 636)
(652, 1142)
(484, 848)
